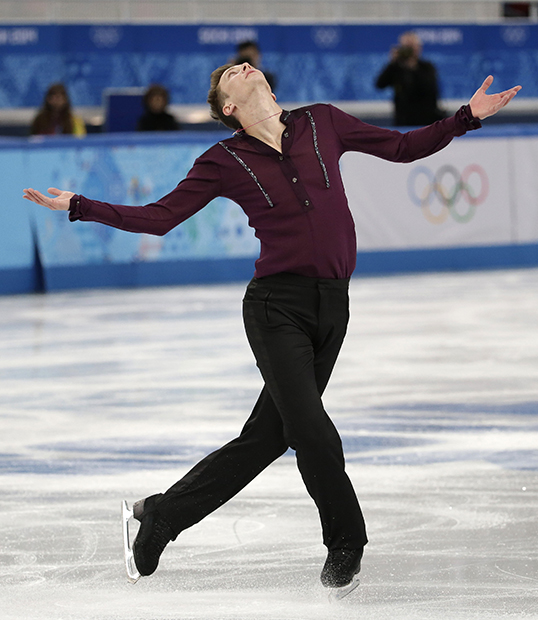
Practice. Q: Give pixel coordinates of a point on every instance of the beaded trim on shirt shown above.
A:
(316, 148)
(234, 154)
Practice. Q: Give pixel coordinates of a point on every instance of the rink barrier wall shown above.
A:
(213, 271)
(40, 250)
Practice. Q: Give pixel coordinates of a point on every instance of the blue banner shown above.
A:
(310, 62)
(16, 243)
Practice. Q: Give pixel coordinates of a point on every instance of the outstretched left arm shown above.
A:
(483, 105)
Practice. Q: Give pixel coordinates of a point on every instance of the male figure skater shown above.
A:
(282, 168)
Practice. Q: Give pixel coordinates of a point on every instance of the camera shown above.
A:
(405, 53)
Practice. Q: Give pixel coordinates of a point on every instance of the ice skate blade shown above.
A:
(132, 572)
(337, 594)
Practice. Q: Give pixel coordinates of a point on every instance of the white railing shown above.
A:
(248, 11)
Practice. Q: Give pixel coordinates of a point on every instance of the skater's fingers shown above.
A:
(486, 83)
(35, 196)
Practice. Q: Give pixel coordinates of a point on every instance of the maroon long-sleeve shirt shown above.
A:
(294, 200)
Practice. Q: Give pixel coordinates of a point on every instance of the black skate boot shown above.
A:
(153, 536)
(341, 567)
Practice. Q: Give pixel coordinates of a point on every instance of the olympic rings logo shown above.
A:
(447, 192)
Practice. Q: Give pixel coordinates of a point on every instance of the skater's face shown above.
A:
(238, 83)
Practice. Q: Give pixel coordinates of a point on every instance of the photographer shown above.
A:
(414, 82)
(249, 51)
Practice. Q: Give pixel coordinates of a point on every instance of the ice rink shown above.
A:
(111, 395)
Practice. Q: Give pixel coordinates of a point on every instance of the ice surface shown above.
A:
(106, 395)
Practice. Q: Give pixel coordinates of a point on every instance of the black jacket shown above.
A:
(415, 92)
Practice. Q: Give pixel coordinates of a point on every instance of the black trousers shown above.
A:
(295, 326)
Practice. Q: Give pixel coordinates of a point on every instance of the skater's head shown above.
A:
(234, 88)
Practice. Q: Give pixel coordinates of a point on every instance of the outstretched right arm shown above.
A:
(201, 185)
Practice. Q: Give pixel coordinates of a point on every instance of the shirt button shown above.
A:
(307, 203)
(281, 157)
(286, 135)
(294, 180)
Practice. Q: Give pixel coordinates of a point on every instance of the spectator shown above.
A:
(414, 82)
(55, 116)
(156, 118)
(249, 51)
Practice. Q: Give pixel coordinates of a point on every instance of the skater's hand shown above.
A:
(60, 203)
(483, 105)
